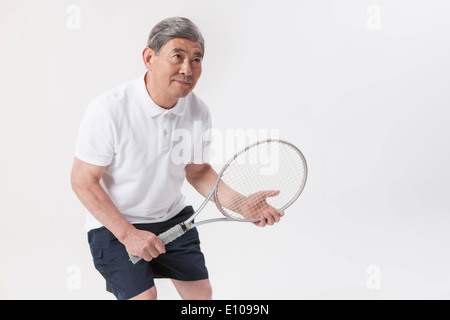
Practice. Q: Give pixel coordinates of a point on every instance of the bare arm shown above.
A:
(85, 179)
(203, 177)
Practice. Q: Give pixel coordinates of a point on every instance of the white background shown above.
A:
(360, 86)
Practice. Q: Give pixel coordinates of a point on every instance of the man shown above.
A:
(125, 176)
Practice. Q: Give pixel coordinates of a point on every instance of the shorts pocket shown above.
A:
(98, 243)
(98, 257)
(97, 253)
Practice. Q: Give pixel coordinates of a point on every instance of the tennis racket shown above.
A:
(269, 173)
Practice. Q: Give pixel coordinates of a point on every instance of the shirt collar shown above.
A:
(151, 106)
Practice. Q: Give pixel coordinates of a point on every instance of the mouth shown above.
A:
(183, 83)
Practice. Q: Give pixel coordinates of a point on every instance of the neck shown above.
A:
(158, 96)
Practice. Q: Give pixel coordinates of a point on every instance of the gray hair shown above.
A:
(171, 28)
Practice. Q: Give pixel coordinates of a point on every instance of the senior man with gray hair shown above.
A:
(125, 175)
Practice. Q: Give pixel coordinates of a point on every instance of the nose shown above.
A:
(186, 68)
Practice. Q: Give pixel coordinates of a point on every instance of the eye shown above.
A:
(177, 58)
(198, 60)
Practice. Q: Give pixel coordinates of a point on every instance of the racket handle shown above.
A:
(134, 259)
(173, 233)
(166, 237)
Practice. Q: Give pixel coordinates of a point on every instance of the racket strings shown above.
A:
(267, 175)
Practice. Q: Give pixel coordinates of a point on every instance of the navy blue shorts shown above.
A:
(183, 259)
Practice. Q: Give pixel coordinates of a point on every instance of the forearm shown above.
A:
(229, 198)
(204, 180)
(100, 205)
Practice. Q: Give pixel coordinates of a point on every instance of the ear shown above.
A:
(148, 55)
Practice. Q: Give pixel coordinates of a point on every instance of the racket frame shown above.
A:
(189, 224)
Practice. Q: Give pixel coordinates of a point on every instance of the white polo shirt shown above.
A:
(145, 149)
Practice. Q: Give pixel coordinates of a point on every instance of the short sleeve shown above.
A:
(95, 143)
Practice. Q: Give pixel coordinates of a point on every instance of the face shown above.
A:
(174, 72)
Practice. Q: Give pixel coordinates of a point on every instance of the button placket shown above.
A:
(165, 139)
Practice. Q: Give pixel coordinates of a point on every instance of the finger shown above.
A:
(256, 223)
(159, 245)
(146, 256)
(154, 253)
(273, 214)
(271, 193)
(276, 216)
(262, 222)
(270, 220)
